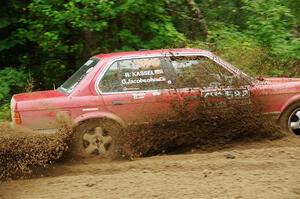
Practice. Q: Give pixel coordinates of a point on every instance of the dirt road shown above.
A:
(266, 169)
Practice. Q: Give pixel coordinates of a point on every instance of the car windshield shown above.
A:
(69, 85)
(233, 68)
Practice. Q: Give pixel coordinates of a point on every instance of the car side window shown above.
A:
(199, 71)
(138, 74)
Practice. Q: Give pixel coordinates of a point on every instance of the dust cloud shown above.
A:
(22, 151)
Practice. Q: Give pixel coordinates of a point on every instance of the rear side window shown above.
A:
(138, 74)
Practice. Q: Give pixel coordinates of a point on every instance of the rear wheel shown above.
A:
(290, 119)
(96, 138)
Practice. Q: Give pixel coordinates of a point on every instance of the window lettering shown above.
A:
(136, 74)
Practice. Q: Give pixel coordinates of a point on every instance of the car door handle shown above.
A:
(117, 102)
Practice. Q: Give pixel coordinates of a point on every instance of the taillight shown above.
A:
(15, 114)
(17, 117)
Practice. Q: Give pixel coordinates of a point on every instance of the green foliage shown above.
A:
(236, 47)
(223, 11)
(247, 53)
(11, 81)
(67, 33)
(271, 23)
(4, 112)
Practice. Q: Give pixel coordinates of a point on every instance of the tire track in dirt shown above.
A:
(265, 169)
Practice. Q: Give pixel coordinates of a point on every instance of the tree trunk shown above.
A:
(198, 26)
(90, 42)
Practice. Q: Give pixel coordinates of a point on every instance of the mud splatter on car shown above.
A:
(212, 128)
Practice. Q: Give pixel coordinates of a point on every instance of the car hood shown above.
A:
(280, 80)
(278, 85)
(38, 95)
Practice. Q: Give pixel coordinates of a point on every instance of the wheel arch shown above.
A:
(290, 102)
(99, 115)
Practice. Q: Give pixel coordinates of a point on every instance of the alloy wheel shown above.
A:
(294, 122)
(97, 142)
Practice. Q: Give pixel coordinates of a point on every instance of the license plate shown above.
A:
(227, 93)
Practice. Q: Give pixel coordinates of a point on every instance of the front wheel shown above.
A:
(96, 138)
(290, 119)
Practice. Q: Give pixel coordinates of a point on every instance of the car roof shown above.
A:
(151, 52)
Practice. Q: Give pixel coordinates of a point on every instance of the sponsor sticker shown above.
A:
(230, 93)
(138, 96)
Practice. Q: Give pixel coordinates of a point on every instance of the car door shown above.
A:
(201, 81)
(139, 89)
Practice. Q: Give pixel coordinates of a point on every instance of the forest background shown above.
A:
(43, 42)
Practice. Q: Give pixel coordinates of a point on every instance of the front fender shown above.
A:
(292, 100)
(99, 115)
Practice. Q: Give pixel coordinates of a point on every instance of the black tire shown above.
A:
(109, 129)
(287, 116)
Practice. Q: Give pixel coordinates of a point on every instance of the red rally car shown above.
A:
(136, 87)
